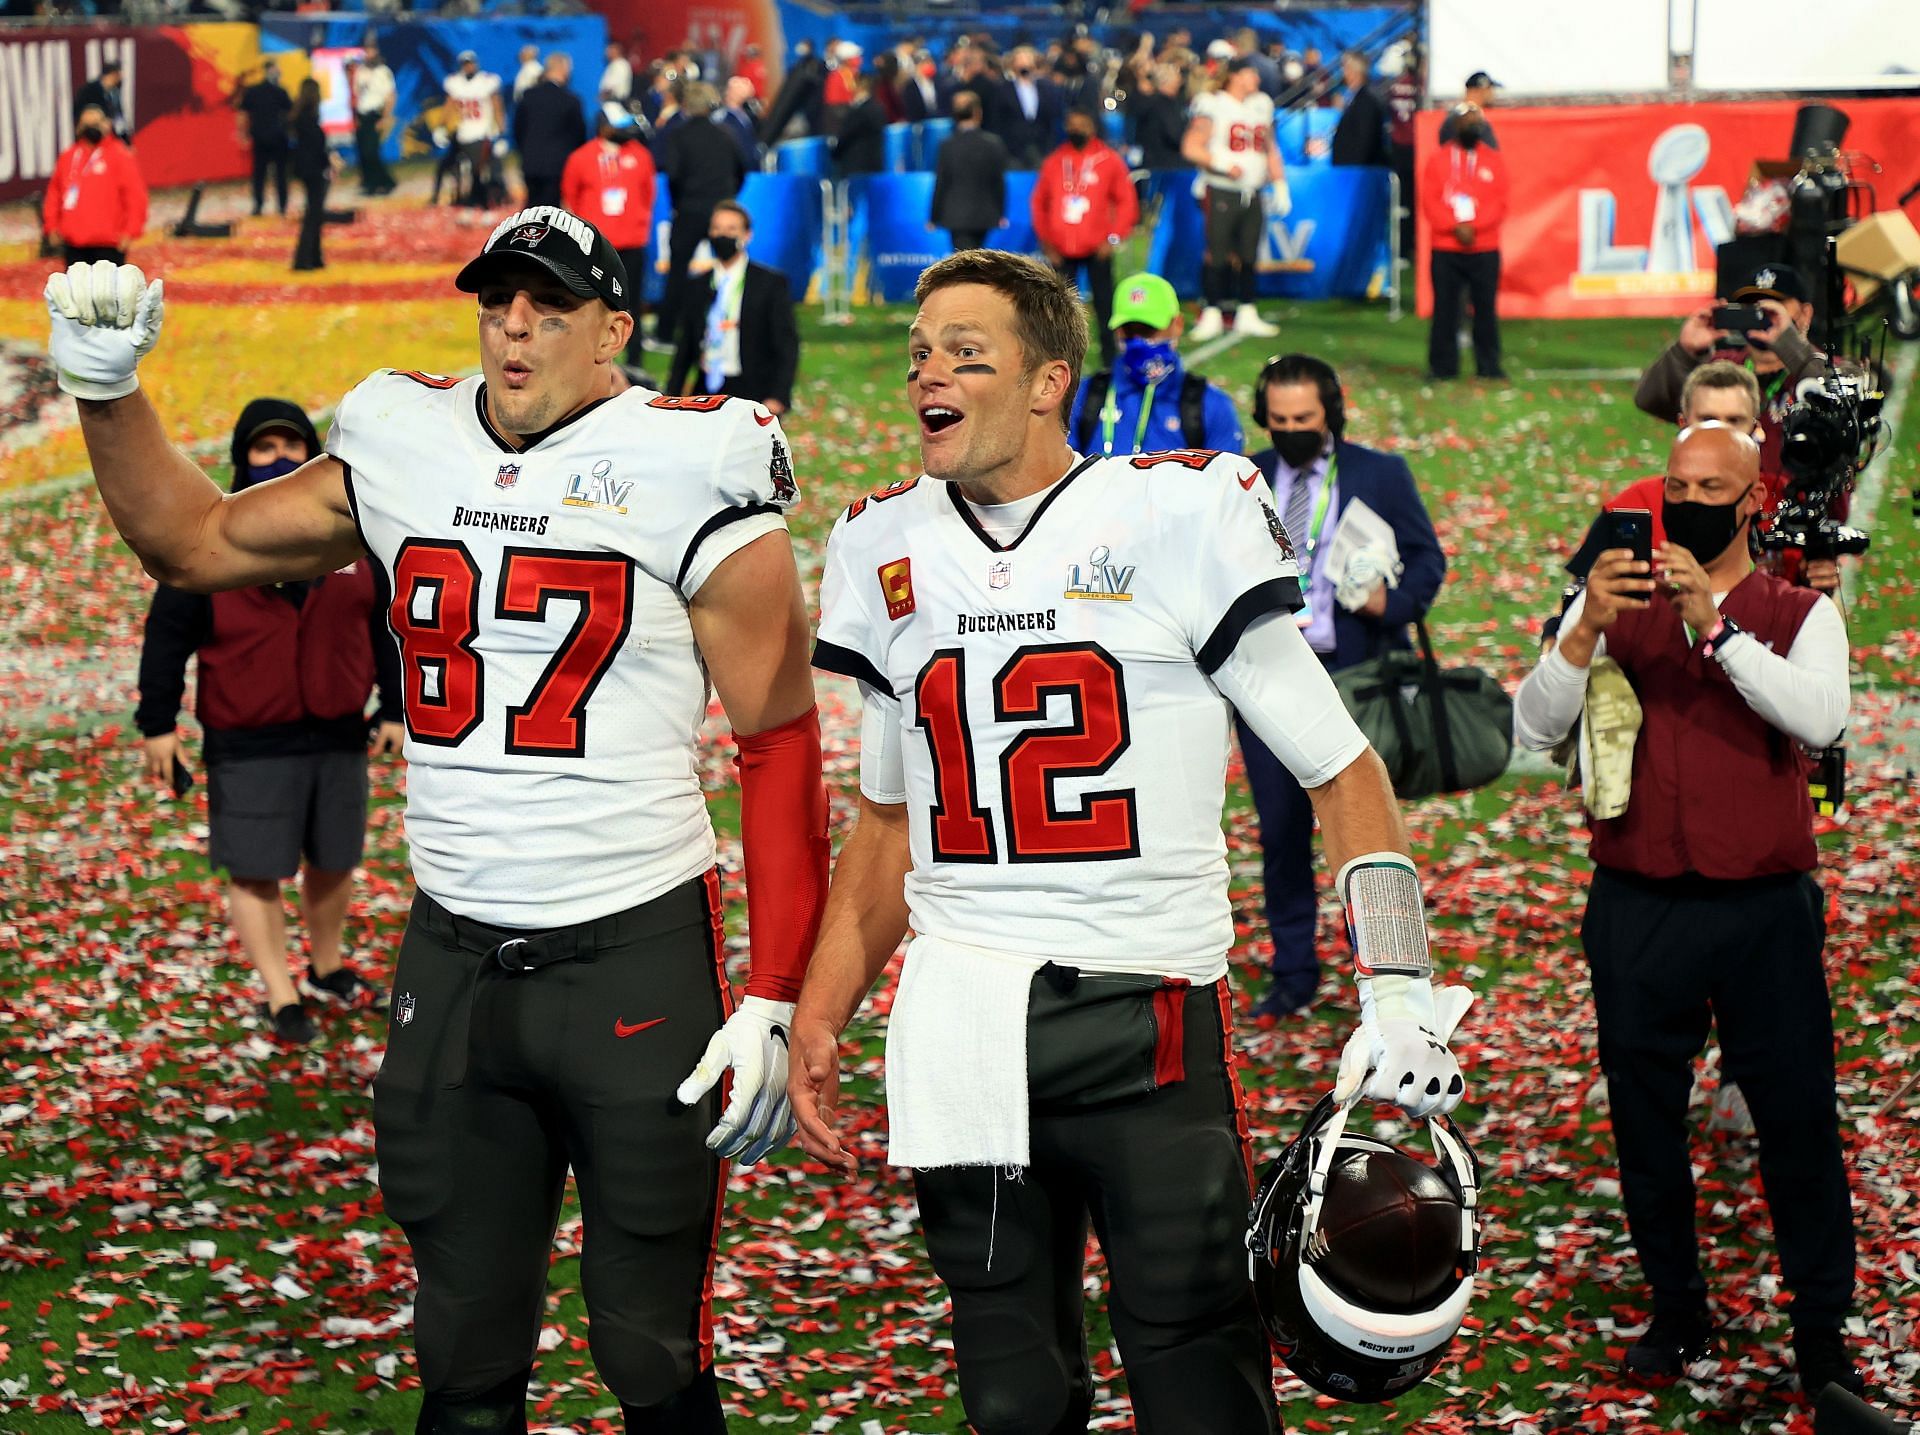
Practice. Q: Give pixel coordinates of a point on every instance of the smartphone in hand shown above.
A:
(1740, 319)
(1629, 528)
(182, 777)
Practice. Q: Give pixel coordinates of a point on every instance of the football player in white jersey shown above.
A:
(478, 119)
(568, 573)
(1230, 141)
(1048, 646)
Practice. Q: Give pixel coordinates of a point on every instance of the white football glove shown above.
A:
(1279, 201)
(753, 1043)
(105, 318)
(1399, 1052)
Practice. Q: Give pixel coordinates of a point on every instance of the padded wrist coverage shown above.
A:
(1386, 916)
(783, 831)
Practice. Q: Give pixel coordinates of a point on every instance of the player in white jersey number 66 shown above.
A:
(564, 572)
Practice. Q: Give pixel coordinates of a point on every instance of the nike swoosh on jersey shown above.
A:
(763, 419)
(1249, 481)
(621, 1028)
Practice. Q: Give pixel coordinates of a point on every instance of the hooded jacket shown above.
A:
(285, 668)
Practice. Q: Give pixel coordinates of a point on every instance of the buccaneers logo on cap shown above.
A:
(529, 235)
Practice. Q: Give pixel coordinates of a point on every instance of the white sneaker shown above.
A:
(1211, 326)
(1248, 321)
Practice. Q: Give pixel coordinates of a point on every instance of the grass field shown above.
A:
(190, 1232)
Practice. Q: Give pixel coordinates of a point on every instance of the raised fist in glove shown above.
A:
(1399, 1053)
(753, 1044)
(105, 318)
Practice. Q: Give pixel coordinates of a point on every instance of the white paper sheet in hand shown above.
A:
(1359, 527)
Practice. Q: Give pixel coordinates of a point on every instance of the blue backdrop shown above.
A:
(1333, 243)
(786, 210)
(900, 244)
(421, 52)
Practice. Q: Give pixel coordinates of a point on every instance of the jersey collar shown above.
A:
(530, 440)
(966, 513)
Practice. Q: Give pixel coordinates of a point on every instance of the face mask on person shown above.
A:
(1706, 530)
(1469, 135)
(724, 247)
(1148, 361)
(262, 472)
(1079, 139)
(1298, 447)
(92, 134)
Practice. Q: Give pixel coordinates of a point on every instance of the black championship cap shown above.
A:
(1772, 281)
(1481, 80)
(576, 253)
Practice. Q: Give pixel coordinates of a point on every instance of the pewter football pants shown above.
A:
(496, 1081)
(1163, 1174)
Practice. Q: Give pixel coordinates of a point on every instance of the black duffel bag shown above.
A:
(1437, 729)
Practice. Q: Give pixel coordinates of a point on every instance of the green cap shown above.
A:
(1144, 299)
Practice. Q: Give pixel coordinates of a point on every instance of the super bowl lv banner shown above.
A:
(1615, 209)
(176, 87)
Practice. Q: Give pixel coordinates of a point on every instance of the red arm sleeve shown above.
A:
(573, 189)
(783, 831)
(1043, 208)
(50, 213)
(1433, 199)
(134, 188)
(644, 186)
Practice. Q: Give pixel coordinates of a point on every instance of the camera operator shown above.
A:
(1703, 911)
(1780, 357)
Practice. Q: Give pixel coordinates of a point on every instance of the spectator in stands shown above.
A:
(528, 75)
(104, 90)
(1361, 136)
(314, 165)
(616, 76)
(970, 179)
(802, 97)
(753, 69)
(285, 673)
(1084, 207)
(1027, 111)
(96, 203)
(548, 126)
(887, 80)
(927, 93)
(974, 73)
(1079, 85)
(479, 118)
(666, 97)
(1463, 193)
(1147, 401)
(839, 98)
(860, 147)
(1317, 79)
(736, 329)
(740, 117)
(1350, 616)
(702, 167)
(1403, 103)
(374, 94)
(265, 107)
(609, 182)
(1478, 93)
(1160, 120)
(1246, 43)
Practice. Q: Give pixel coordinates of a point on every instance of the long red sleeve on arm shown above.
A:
(783, 830)
(1493, 194)
(1126, 203)
(1044, 206)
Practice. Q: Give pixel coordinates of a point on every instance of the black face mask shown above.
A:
(1079, 139)
(1706, 530)
(1469, 136)
(1298, 447)
(724, 247)
(92, 134)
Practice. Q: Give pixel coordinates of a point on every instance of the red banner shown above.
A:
(175, 91)
(653, 27)
(1615, 210)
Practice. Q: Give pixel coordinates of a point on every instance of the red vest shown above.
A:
(271, 662)
(1718, 791)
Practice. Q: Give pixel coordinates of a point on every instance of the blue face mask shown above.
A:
(1148, 361)
(261, 472)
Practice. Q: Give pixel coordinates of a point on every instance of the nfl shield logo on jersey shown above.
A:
(999, 575)
(404, 1008)
(508, 476)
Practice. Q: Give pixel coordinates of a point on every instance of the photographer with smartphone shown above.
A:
(1761, 325)
(285, 673)
(1703, 911)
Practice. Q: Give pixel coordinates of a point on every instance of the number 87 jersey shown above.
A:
(539, 596)
(1063, 750)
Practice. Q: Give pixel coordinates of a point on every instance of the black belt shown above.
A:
(517, 951)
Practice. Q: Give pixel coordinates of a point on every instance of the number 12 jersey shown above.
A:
(1064, 752)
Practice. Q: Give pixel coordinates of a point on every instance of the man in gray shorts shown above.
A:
(285, 673)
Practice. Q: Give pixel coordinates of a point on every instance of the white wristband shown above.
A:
(1386, 916)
